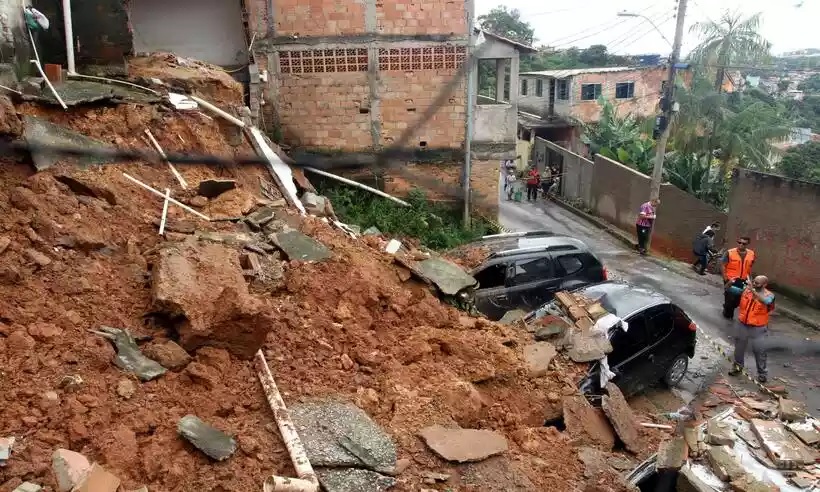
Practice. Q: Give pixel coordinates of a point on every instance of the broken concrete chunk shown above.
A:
(538, 357)
(37, 258)
(298, 246)
(790, 410)
(548, 327)
(586, 423)
(262, 216)
(719, 434)
(41, 132)
(129, 358)
(212, 188)
(6, 443)
(806, 431)
(98, 479)
(85, 242)
(463, 445)
(748, 483)
(168, 354)
(87, 189)
(211, 441)
(588, 346)
(623, 420)
(69, 468)
(784, 449)
(126, 388)
(342, 435)
(235, 238)
(28, 487)
(689, 481)
(372, 231)
(672, 454)
(448, 277)
(317, 205)
(723, 463)
(353, 480)
(511, 317)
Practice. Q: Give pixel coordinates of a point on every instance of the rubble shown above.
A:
(41, 132)
(298, 246)
(98, 480)
(463, 445)
(213, 442)
(353, 480)
(673, 454)
(129, 358)
(620, 415)
(807, 431)
(586, 423)
(538, 357)
(724, 463)
(6, 443)
(790, 410)
(719, 434)
(168, 354)
(69, 468)
(28, 487)
(785, 450)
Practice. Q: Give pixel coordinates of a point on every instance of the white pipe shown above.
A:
(11, 90)
(123, 82)
(307, 481)
(48, 83)
(69, 36)
(357, 185)
(176, 174)
(159, 193)
(210, 107)
(656, 426)
(164, 211)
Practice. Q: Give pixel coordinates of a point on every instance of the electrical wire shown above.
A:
(603, 27)
(633, 37)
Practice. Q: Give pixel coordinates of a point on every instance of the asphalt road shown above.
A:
(794, 354)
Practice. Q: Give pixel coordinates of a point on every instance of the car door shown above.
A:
(491, 298)
(572, 269)
(531, 281)
(628, 355)
(663, 345)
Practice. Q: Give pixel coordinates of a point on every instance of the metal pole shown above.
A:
(657, 171)
(69, 36)
(469, 130)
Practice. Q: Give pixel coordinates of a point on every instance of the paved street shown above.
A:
(795, 349)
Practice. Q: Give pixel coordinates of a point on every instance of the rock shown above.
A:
(212, 188)
(723, 463)
(401, 466)
(40, 131)
(10, 123)
(672, 454)
(69, 468)
(20, 342)
(372, 231)
(259, 218)
(620, 415)
(588, 346)
(10, 275)
(463, 445)
(85, 242)
(6, 443)
(432, 477)
(594, 461)
(587, 424)
(129, 358)
(620, 463)
(169, 355)
(98, 480)
(70, 383)
(4, 244)
(28, 487)
(44, 332)
(790, 410)
(198, 202)
(228, 317)
(748, 483)
(126, 388)
(347, 362)
(37, 258)
(550, 330)
(50, 399)
(353, 480)
(298, 246)
(317, 205)
(213, 442)
(719, 434)
(538, 357)
(342, 435)
(88, 189)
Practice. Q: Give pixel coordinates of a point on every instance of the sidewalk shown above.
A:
(786, 306)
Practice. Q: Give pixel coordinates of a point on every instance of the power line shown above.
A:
(601, 28)
(632, 37)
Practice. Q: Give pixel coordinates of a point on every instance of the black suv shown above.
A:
(524, 270)
(656, 346)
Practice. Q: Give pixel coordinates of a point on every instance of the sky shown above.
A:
(582, 23)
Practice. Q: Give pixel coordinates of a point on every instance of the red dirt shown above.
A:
(417, 362)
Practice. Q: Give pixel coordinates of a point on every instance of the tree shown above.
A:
(783, 85)
(810, 85)
(507, 23)
(732, 40)
(594, 56)
(620, 138)
(802, 162)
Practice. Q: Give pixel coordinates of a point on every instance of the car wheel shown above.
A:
(677, 370)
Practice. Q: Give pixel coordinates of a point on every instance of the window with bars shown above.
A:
(624, 90)
(590, 92)
(323, 61)
(427, 58)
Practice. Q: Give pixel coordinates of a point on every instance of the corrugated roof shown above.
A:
(562, 74)
(518, 46)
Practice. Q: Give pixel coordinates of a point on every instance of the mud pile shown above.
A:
(354, 327)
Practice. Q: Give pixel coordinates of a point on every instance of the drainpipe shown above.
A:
(69, 37)
(468, 140)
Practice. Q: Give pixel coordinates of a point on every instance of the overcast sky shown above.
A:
(585, 22)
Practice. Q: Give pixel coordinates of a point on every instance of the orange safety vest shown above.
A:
(736, 267)
(752, 312)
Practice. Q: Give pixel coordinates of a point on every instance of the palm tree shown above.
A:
(733, 39)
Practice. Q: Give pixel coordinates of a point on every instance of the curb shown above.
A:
(626, 239)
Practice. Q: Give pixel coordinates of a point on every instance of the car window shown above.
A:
(492, 276)
(682, 320)
(570, 264)
(532, 270)
(625, 344)
(661, 323)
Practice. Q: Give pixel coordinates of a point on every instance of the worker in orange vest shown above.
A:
(756, 303)
(736, 267)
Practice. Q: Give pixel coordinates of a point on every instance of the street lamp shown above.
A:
(647, 19)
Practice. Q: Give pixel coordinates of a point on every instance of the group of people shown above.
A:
(547, 183)
(742, 293)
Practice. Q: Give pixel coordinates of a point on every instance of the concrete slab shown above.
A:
(587, 424)
(463, 445)
(588, 346)
(448, 277)
(538, 357)
(337, 434)
(791, 410)
(719, 433)
(41, 132)
(723, 463)
(672, 454)
(783, 448)
(806, 431)
(353, 480)
(211, 441)
(620, 415)
(298, 246)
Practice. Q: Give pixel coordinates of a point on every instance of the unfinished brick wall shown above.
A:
(421, 17)
(318, 17)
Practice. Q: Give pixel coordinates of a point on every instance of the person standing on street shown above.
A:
(756, 303)
(702, 247)
(646, 219)
(533, 180)
(509, 183)
(736, 266)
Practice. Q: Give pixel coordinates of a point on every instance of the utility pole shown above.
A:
(667, 106)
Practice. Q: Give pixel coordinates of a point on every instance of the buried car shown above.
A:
(524, 270)
(652, 342)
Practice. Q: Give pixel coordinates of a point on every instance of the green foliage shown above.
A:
(550, 59)
(806, 112)
(507, 23)
(436, 226)
(620, 138)
(802, 162)
(810, 85)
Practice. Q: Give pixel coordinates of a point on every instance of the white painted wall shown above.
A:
(207, 30)
(11, 19)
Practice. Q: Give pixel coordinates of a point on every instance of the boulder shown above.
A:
(463, 445)
(169, 355)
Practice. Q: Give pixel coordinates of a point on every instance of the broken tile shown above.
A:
(212, 188)
(463, 445)
(129, 358)
(211, 441)
(298, 246)
(806, 431)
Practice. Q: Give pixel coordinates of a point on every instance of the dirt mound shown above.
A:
(354, 327)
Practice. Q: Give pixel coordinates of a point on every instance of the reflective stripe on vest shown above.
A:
(751, 311)
(737, 267)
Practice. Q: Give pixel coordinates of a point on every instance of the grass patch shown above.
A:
(436, 226)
